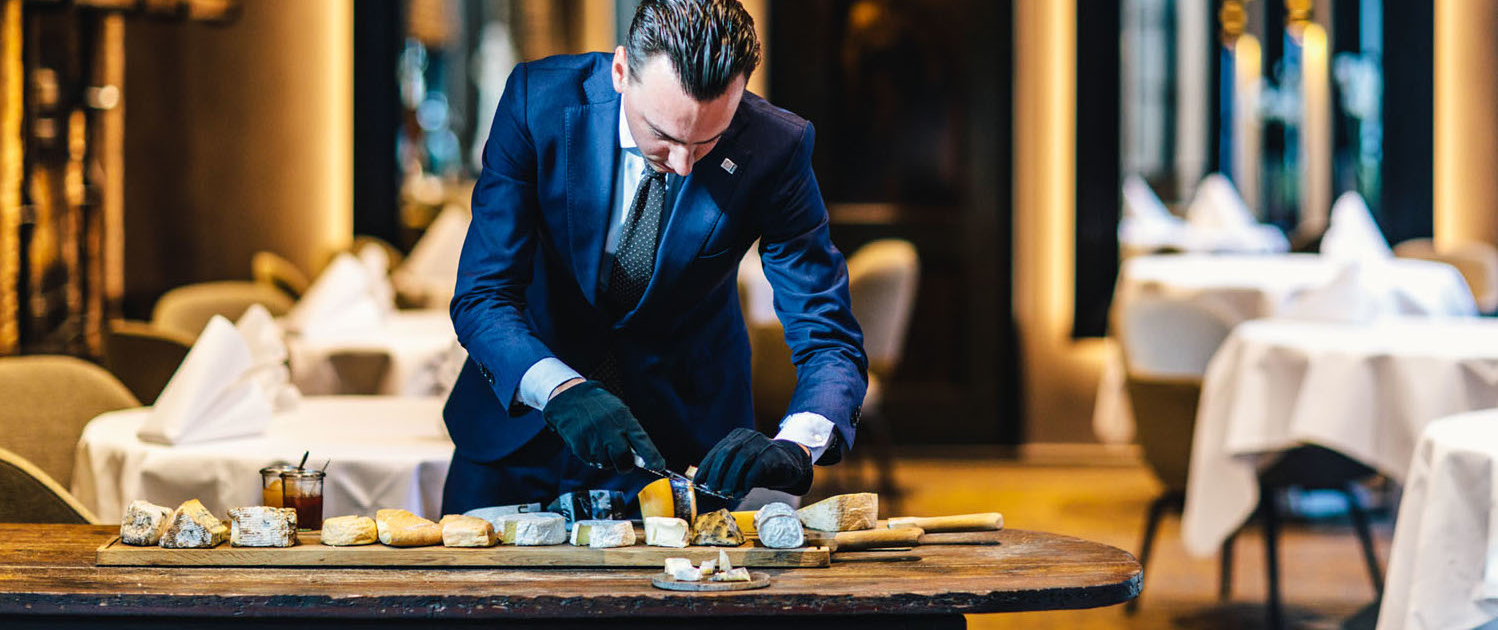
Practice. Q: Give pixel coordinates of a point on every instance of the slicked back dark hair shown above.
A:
(708, 42)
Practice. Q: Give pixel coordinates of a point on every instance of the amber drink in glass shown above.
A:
(302, 490)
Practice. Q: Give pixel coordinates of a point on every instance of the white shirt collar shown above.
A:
(626, 139)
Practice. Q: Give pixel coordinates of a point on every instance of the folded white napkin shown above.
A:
(377, 264)
(346, 300)
(267, 345)
(434, 258)
(1353, 296)
(1217, 206)
(213, 395)
(1146, 223)
(1352, 234)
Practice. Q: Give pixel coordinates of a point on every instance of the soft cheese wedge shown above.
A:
(603, 533)
(349, 531)
(261, 526)
(194, 527)
(842, 513)
(144, 523)
(467, 531)
(400, 528)
(532, 529)
(661, 531)
(779, 527)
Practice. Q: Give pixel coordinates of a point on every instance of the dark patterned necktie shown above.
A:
(634, 258)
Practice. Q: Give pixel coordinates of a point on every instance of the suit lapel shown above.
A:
(592, 150)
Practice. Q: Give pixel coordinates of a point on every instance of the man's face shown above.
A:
(672, 129)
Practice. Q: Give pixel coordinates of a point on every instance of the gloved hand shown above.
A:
(746, 459)
(599, 429)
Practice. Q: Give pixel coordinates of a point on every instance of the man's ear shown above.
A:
(620, 68)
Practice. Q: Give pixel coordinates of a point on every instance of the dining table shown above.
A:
(421, 350)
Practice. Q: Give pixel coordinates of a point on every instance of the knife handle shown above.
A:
(987, 521)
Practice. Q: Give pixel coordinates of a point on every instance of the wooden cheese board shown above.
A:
(310, 552)
(666, 582)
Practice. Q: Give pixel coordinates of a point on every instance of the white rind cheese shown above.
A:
(600, 534)
(262, 526)
(736, 574)
(779, 527)
(467, 531)
(533, 529)
(674, 564)
(844, 512)
(144, 523)
(664, 531)
(494, 513)
(688, 573)
(194, 527)
(349, 531)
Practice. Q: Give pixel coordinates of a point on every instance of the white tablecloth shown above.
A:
(1443, 570)
(387, 452)
(1364, 390)
(1253, 287)
(424, 355)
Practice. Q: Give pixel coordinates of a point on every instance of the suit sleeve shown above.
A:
(498, 258)
(810, 279)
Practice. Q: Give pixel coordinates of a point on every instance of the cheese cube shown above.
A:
(467, 531)
(262, 526)
(348, 531)
(194, 527)
(663, 531)
(598, 533)
(708, 567)
(844, 512)
(144, 523)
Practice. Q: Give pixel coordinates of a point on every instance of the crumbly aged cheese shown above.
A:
(779, 527)
(533, 529)
(745, 520)
(844, 512)
(144, 523)
(467, 531)
(400, 528)
(736, 574)
(662, 531)
(599, 533)
(672, 564)
(262, 526)
(672, 497)
(194, 527)
(348, 531)
(716, 529)
(708, 567)
(589, 505)
(493, 513)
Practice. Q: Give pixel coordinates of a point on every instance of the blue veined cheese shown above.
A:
(194, 527)
(144, 523)
(262, 526)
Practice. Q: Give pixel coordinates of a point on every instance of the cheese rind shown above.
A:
(467, 531)
(533, 529)
(671, 497)
(779, 527)
(716, 529)
(598, 533)
(262, 526)
(144, 523)
(736, 574)
(194, 527)
(401, 528)
(349, 531)
(661, 531)
(844, 512)
(493, 514)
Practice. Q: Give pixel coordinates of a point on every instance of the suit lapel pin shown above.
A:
(729, 166)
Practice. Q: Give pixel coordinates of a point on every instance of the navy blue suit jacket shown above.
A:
(528, 279)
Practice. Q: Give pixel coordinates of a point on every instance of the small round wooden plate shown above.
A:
(665, 581)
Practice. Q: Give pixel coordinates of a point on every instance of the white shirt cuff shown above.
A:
(808, 429)
(541, 378)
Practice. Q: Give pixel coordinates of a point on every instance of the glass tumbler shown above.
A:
(302, 490)
(270, 484)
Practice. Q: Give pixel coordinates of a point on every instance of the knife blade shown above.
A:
(640, 463)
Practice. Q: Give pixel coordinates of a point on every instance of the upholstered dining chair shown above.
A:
(272, 270)
(45, 401)
(1477, 262)
(187, 309)
(32, 496)
(144, 356)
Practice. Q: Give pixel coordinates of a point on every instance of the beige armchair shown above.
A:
(32, 496)
(45, 401)
(187, 309)
(143, 356)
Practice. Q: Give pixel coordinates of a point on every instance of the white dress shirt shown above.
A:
(809, 429)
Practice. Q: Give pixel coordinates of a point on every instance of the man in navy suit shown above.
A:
(617, 197)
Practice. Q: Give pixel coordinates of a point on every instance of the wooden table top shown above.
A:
(49, 569)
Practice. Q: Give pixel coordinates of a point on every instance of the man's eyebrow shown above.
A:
(665, 136)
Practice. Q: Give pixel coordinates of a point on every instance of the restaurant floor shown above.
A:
(1322, 575)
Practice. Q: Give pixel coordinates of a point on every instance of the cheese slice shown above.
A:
(844, 512)
(401, 528)
(779, 527)
(661, 531)
(745, 520)
(467, 531)
(144, 523)
(716, 529)
(670, 497)
(532, 529)
(597, 533)
(348, 531)
(673, 564)
(736, 574)
(262, 526)
(194, 527)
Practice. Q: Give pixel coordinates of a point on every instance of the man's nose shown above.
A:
(680, 161)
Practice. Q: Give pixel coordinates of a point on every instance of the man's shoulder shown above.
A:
(575, 78)
(770, 121)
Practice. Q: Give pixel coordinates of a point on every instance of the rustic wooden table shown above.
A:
(47, 575)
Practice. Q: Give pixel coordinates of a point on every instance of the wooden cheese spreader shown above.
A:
(907, 532)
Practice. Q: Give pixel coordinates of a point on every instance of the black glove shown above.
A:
(747, 459)
(599, 429)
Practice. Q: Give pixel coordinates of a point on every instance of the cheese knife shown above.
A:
(640, 463)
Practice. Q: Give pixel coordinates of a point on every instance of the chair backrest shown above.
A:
(270, 269)
(1164, 424)
(1476, 261)
(143, 356)
(44, 403)
(1170, 337)
(187, 309)
(882, 279)
(1415, 248)
(32, 496)
(392, 253)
